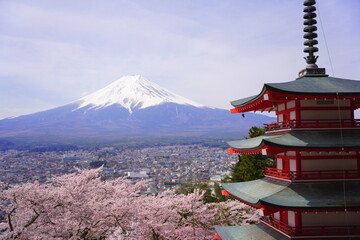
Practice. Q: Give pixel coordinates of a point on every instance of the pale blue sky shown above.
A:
(210, 51)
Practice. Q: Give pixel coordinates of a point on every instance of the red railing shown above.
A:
(315, 175)
(328, 123)
(279, 225)
(313, 230)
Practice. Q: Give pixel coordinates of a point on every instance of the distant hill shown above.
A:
(129, 107)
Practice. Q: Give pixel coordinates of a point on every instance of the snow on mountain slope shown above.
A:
(133, 92)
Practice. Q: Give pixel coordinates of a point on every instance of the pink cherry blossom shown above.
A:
(82, 206)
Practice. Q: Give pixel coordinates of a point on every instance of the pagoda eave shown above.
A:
(328, 88)
(315, 141)
(260, 104)
(271, 150)
(306, 196)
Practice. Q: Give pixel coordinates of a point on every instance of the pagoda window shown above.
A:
(291, 219)
(286, 111)
(314, 161)
(330, 153)
(290, 104)
(291, 153)
(277, 216)
(325, 114)
(281, 107)
(325, 103)
(279, 163)
(330, 218)
(279, 160)
(312, 113)
(329, 164)
(292, 165)
(292, 115)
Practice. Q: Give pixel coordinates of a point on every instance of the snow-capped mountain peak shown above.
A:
(133, 92)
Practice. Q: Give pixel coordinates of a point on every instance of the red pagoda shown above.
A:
(314, 190)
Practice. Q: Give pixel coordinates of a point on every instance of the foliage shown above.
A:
(218, 195)
(255, 132)
(2, 202)
(209, 195)
(82, 206)
(249, 167)
(189, 187)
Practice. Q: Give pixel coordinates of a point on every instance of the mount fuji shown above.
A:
(133, 92)
(130, 106)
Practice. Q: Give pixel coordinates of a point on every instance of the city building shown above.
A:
(138, 175)
(314, 190)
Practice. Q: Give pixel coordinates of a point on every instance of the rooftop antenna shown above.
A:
(310, 36)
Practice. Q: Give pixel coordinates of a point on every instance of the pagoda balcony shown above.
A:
(328, 123)
(337, 230)
(310, 175)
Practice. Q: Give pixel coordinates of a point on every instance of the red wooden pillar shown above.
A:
(298, 221)
(352, 103)
(358, 162)
(297, 112)
(284, 217)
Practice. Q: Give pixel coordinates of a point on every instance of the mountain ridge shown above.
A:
(149, 111)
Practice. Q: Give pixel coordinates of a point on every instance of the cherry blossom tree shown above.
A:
(82, 206)
(3, 226)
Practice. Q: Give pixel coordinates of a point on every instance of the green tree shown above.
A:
(218, 195)
(255, 132)
(189, 187)
(249, 167)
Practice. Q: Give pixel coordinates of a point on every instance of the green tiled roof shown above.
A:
(308, 86)
(243, 101)
(297, 195)
(253, 191)
(302, 139)
(318, 85)
(247, 232)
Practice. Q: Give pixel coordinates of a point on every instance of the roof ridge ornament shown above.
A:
(310, 31)
(310, 36)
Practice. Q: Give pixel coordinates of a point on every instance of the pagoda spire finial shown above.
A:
(310, 31)
(310, 42)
